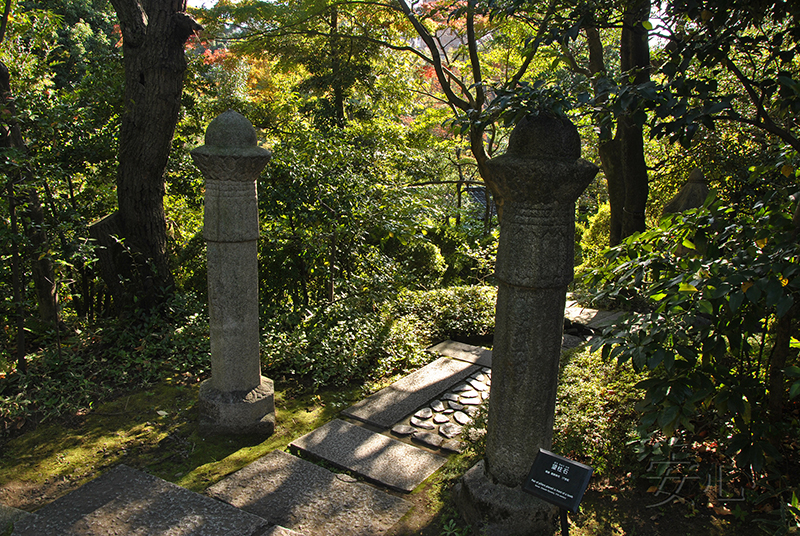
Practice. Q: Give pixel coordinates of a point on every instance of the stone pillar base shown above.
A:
(238, 412)
(497, 510)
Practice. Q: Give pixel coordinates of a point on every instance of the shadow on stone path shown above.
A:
(394, 439)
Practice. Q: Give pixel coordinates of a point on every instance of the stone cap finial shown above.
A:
(231, 134)
(545, 136)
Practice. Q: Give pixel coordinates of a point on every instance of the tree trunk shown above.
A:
(635, 58)
(41, 261)
(154, 33)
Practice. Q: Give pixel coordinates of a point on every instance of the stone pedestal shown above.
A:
(236, 399)
(539, 180)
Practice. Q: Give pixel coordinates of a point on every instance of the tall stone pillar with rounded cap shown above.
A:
(236, 399)
(539, 179)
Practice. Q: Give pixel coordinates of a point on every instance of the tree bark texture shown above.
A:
(634, 58)
(154, 34)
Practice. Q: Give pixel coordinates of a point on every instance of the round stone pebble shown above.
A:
(471, 401)
(440, 418)
(448, 411)
(461, 417)
(424, 413)
(429, 439)
(455, 405)
(425, 425)
(438, 405)
(403, 429)
(450, 430)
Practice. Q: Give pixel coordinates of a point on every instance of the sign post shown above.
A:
(559, 481)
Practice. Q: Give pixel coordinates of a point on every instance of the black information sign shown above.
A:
(558, 480)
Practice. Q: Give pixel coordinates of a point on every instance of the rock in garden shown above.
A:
(424, 413)
(470, 394)
(449, 430)
(438, 405)
(453, 445)
(440, 418)
(425, 425)
(461, 417)
(477, 385)
(455, 406)
(450, 396)
(403, 429)
(429, 439)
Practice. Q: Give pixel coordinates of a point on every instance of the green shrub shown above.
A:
(717, 285)
(595, 411)
(594, 239)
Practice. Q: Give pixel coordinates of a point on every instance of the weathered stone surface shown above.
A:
(449, 411)
(236, 398)
(440, 418)
(469, 394)
(461, 387)
(281, 531)
(388, 406)
(464, 352)
(477, 385)
(424, 413)
(304, 497)
(455, 405)
(461, 417)
(428, 439)
(500, 510)
(421, 423)
(374, 456)
(438, 405)
(471, 401)
(453, 445)
(9, 515)
(403, 429)
(537, 181)
(129, 502)
(450, 396)
(449, 430)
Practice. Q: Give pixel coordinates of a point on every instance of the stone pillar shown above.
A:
(236, 399)
(539, 179)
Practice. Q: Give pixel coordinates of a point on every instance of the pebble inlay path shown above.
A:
(439, 424)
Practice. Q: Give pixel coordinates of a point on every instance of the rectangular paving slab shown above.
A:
(464, 352)
(9, 516)
(302, 496)
(374, 456)
(128, 502)
(389, 405)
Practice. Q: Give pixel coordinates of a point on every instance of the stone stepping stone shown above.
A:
(450, 396)
(464, 352)
(391, 404)
(455, 406)
(438, 405)
(374, 456)
(440, 418)
(424, 424)
(424, 413)
(470, 394)
(461, 417)
(9, 516)
(450, 430)
(129, 502)
(310, 499)
(471, 401)
(477, 385)
(403, 429)
(428, 439)
(453, 445)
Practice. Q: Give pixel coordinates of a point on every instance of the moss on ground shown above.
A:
(154, 430)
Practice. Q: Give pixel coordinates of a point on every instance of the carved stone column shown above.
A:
(236, 399)
(539, 178)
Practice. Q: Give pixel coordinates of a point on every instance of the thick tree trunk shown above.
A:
(154, 34)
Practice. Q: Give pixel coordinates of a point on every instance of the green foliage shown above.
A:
(357, 340)
(595, 410)
(102, 362)
(594, 240)
(715, 280)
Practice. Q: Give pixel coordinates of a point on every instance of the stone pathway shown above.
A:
(395, 438)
